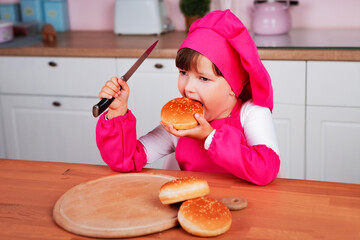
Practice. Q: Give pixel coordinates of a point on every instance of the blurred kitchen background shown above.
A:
(309, 14)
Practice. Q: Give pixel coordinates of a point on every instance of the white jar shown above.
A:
(6, 31)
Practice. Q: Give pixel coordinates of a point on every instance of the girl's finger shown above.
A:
(115, 80)
(110, 90)
(104, 95)
(114, 86)
(169, 128)
(165, 126)
(200, 118)
(123, 85)
(178, 133)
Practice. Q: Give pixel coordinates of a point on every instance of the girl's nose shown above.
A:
(190, 85)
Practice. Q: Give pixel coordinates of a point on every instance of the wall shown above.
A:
(311, 14)
(91, 14)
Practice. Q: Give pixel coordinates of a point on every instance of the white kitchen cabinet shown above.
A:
(333, 84)
(333, 122)
(50, 76)
(151, 86)
(333, 144)
(289, 80)
(289, 121)
(57, 129)
(46, 106)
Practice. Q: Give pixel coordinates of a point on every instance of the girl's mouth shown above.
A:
(199, 102)
(195, 100)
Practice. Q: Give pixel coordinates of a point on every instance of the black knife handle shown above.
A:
(101, 106)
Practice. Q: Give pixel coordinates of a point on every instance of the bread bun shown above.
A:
(181, 189)
(180, 113)
(204, 217)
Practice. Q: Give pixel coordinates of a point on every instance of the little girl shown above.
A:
(218, 66)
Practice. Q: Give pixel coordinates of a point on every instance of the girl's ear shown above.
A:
(232, 93)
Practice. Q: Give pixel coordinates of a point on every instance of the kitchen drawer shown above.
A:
(288, 80)
(333, 84)
(152, 65)
(55, 76)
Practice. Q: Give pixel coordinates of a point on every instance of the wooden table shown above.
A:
(285, 209)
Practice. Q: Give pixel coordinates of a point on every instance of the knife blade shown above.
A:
(104, 103)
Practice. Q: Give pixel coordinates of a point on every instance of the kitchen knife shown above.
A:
(104, 103)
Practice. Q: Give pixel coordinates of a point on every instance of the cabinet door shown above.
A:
(58, 129)
(289, 121)
(288, 80)
(333, 144)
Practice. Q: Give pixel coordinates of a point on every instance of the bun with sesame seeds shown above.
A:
(182, 189)
(204, 217)
(180, 113)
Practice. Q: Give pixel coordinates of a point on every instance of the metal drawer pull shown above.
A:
(159, 65)
(52, 64)
(56, 104)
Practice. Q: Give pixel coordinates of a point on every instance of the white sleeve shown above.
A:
(208, 140)
(258, 125)
(158, 143)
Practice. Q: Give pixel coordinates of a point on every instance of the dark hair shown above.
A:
(187, 59)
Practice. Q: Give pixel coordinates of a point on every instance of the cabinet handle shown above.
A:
(159, 65)
(56, 104)
(52, 64)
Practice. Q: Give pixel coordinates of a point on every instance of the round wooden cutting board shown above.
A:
(122, 205)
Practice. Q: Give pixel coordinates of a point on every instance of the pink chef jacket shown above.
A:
(228, 152)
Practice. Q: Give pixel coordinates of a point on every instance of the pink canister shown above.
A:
(271, 18)
(6, 31)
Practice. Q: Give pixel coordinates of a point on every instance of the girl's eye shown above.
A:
(182, 72)
(204, 79)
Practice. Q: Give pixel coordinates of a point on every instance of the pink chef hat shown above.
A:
(221, 37)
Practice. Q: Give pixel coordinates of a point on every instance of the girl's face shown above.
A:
(205, 86)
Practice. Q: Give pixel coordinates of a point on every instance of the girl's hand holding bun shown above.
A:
(183, 117)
